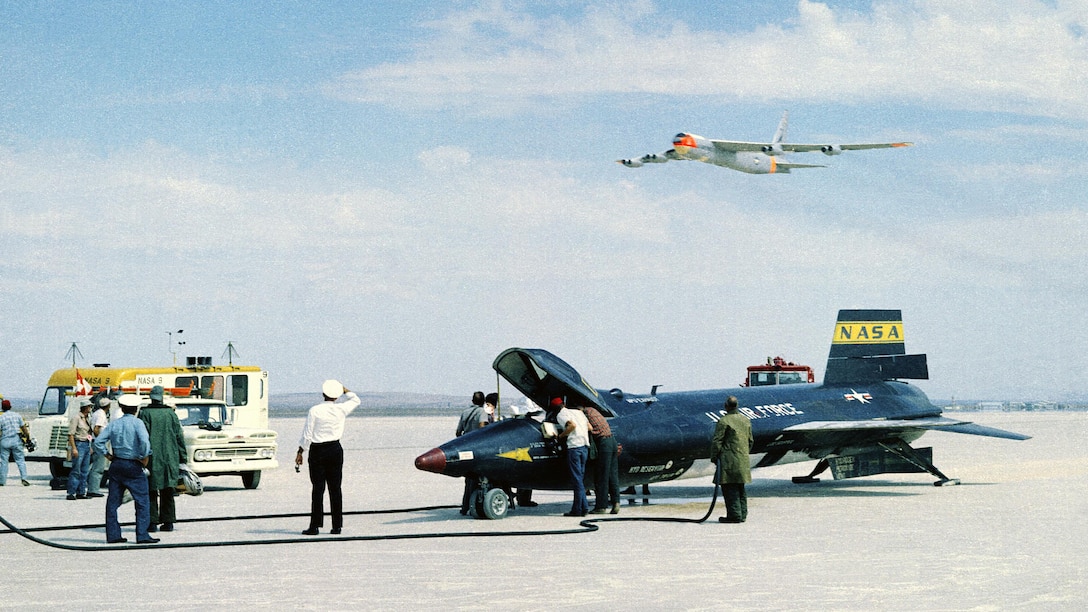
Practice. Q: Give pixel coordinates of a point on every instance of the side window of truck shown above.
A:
(239, 390)
(189, 382)
(212, 387)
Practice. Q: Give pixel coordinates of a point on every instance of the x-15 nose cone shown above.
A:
(433, 460)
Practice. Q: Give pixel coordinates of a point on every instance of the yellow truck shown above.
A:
(223, 411)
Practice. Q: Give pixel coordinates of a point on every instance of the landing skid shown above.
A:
(901, 450)
(905, 452)
(811, 478)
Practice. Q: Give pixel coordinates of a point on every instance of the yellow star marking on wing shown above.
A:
(518, 454)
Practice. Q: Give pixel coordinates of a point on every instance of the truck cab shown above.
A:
(215, 447)
(778, 371)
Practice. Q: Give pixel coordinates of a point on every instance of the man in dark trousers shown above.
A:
(167, 453)
(606, 468)
(730, 449)
(321, 434)
(130, 451)
(472, 418)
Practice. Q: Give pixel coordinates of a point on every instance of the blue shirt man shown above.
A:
(131, 448)
(11, 423)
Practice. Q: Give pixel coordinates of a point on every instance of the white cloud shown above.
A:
(1027, 57)
(445, 159)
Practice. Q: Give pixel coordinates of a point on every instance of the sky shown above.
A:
(393, 193)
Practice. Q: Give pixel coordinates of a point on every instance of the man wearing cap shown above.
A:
(11, 423)
(730, 448)
(167, 453)
(321, 435)
(79, 450)
(576, 433)
(472, 418)
(130, 451)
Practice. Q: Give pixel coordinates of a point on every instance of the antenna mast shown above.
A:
(170, 345)
(73, 352)
(230, 353)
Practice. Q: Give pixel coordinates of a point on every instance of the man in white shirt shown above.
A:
(321, 435)
(99, 420)
(576, 432)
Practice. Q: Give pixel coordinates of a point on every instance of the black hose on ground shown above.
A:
(585, 526)
(663, 519)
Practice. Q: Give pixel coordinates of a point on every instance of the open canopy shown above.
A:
(540, 376)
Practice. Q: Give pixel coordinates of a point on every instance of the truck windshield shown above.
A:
(201, 415)
(790, 378)
(54, 401)
(760, 379)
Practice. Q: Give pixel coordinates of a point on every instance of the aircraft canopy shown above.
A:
(540, 376)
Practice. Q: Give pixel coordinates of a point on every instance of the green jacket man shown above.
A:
(167, 452)
(732, 444)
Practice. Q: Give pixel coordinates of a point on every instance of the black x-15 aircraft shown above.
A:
(859, 421)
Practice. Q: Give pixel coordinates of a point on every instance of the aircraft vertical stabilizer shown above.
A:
(780, 134)
(868, 346)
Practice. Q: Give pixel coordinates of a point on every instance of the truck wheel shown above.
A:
(251, 479)
(495, 503)
(57, 469)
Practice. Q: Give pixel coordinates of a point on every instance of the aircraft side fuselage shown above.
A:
(697, 148)
(668, 436)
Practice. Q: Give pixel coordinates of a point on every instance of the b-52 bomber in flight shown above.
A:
(749, 157)
(860, 421)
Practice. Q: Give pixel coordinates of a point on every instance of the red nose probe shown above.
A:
(433, 460)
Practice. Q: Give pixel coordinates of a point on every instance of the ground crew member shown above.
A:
(130, 451)
(472, 418)
(167, 453)
(99, 420)
(576, 433)
(79, 450)
(606, 468)
(321, 435)
(730, 449)
(11, 426)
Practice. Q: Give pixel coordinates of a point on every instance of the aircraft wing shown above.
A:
(735, 145)
(766, 147)
(649, 158)
(865, 428)
(807, 148)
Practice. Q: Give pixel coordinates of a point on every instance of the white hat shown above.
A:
(332, 389)
(129, 400)
(85, 401)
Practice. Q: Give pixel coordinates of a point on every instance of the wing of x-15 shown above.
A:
(750, 157)
(860, 421)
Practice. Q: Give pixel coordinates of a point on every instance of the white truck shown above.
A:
(223, 411)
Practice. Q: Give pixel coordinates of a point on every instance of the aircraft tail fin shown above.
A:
(868, 346)
(780, 134)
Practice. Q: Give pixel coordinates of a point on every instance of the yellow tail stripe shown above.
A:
(868, 332)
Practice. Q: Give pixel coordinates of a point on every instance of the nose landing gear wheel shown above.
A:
(491, 504)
